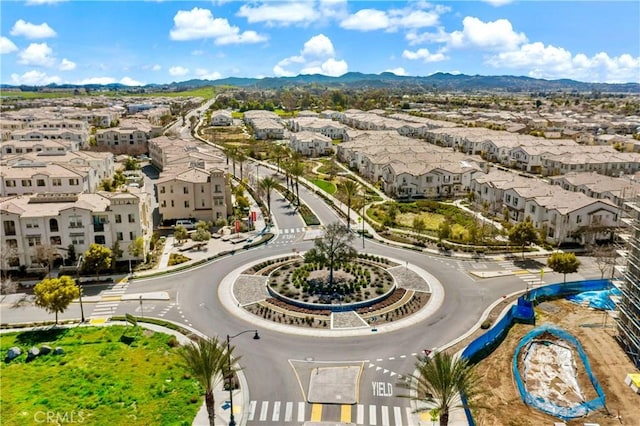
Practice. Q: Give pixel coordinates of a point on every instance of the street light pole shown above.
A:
(232, 420)
(80, 288)
(364, 204)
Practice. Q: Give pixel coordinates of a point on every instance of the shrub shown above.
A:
(486, 324)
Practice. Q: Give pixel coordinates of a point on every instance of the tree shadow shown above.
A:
(34, 337)
(528, 264)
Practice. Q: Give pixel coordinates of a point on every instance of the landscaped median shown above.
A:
(98, 375)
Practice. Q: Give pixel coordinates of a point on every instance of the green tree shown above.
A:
(55, 294)
(439, 380)
(131, 164)
(201, 233)
(418, 224)
(180, 233)
(207, 361)
(523, 234)
(267, 184)
(116, 252)
(349, 188)
(97, 259)
(444, 230)
(563, 263)
(136, 248)
(333, 247)
(297, 170)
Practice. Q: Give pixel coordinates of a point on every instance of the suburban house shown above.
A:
(618, 190)
(221, 118)
(326, 127)
(265, 124)
(310, 144)
(130, 137)
(59, 220)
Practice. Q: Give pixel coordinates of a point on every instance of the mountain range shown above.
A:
(355, 80)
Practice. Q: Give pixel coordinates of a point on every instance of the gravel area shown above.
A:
(347, 320)
(408, 279)
(250, 289)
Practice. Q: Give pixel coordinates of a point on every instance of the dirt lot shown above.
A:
(608, 362)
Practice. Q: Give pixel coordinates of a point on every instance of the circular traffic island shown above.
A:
(365, 292)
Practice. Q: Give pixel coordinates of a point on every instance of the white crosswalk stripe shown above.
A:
(281, 412)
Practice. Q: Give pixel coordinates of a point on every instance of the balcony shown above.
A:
(98, 227)
(76, 225)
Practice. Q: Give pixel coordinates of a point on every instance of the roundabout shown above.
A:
(248, 293)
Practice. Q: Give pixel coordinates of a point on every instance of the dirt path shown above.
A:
(608, 362)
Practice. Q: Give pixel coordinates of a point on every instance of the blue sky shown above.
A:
(141, 42)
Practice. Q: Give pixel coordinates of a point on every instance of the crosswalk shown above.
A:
(532, 280)
(109, 301)
(291, 230)
(283, 412)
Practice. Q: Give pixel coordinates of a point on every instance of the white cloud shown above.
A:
(319, 45)
(37, 54)
(32, 31)
(67, 65)
(496, 35)
(39, 2)
(197, 52)
(316, 57)
(7, 46)
(199, 23)
(498, 3)
(282, 13)
(127, 81)
(178, 71)
(35, 78)
(96, 80)
(424, 55)
(410, 17)
(397, 71)
(551, 62)
(207, 75)
(366, 20)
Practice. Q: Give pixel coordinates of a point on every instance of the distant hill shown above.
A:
(438, 81)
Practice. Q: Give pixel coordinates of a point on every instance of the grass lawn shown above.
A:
(431, 220)
(326, 186)
(99, 378)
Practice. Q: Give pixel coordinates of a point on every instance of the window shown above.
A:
(75, 222)
(77, 240)
(186, 204)
(164, 203)
(33, 240)
(55, 241)
(429, 179)
(56, 182)
(532, 209)
(99, 239)
(202, 189)
(9, 227)
(40, 182)
(26, 182)
(73, 182)
(578, 219)
(10, 183)
(119, 236)
(217, 188)
(218, 201)
(202, 203)
(185, 190)
(508, 197)
(171, 189)
(32, 225)
(173, 203)
(162, 189)
(12, 244)
(132, 218)
(118, 218)
(132, 236)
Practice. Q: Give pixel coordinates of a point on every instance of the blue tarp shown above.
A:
(597, 299)
(564, 413)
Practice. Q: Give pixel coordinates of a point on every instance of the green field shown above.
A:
(203, 92)
(101, 378)
(326, 186)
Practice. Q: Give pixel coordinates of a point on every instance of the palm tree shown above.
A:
(231, 152)
(440, 380)
(267, 184)
(349, 188)
(207, 361)
(241, 156)
(297, 170)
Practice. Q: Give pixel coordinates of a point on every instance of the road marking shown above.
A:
(425, 416)
(360, 414)
(397, 416)
(252, 410)
(316, 412)
(288, 411)
(276, 411)
(110, 298)
(409, 415)
(403, 356)
(391, 358)
(301, 406)
(372, 415)
(384, 415)
(345, 414)
(98, 320)
(264, 410)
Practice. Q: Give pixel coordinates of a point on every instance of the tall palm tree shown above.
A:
(267, 184)
(207, 361)
(232, 153)
(440, 380)
(349, 188)
(241, 156)
(297, 170)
